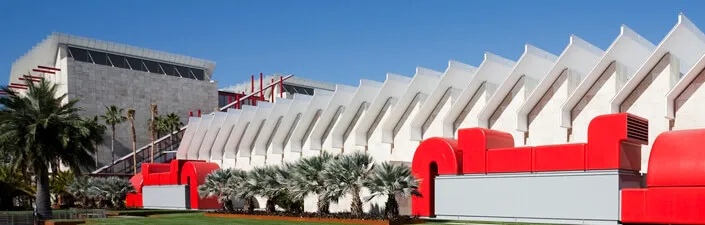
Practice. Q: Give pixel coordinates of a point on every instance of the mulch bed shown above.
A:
(312, 217)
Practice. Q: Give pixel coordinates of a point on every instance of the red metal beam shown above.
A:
(33, 80)
(49, 68)
(272, 98)
(20, 85)
(261, 93)
(281, 87)
(43, 71)
(17, 87)
(32, 77)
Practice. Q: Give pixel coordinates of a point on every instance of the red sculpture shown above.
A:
(177, 172)
(613, 143)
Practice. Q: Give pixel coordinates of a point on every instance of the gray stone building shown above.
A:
(101, 74)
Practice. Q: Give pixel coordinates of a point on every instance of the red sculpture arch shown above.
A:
(195, 173)
(434, 156)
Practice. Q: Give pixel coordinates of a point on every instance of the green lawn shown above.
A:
(190, 219)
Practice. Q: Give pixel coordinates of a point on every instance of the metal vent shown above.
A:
(637, 128)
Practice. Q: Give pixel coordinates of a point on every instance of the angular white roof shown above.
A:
(255, 128)
(681, 86)
(191, 127)
(219, 144)
(199, 136)
(685, 41)
(204, 152)
(309, 119)
(392, 89)
(629, 49)
(579, 56)
(365, 94)
(292, 119)
(534, 63)
(272, 122)
(242, 124)
(456, 76)
(493, 69)
(342, 96)
(421, 85)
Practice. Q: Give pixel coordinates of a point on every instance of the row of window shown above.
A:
(126, 62)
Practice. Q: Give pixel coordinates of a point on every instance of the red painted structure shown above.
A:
(675, 186)
(177, 172)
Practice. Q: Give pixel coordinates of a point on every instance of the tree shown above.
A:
(112, 117)
(13, 183)
(173, 123)
(152, 130)
(306, 178)
(131, 118)
(243, 188)
(44, 132)
(348, 175)
(391, 180)
(216, 185)
(58, 185)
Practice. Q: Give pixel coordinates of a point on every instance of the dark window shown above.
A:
(200, 75)
(100, 58)
(152, 66)
(135, 63)
(118, 61)
(79, 54)
(168, 69)
(183, 71)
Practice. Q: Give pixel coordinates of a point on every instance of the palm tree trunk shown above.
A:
(323, 206)
(391, 207)
(134, 147)
(271, 205)
(42, 200)
(356, 207)
(112, 146)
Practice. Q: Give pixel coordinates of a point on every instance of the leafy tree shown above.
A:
(112, 117)
(13, 183)
(98, 131)
(173, 123)
(59, 186)
(216, 185)
(392, 179)
(306, 178)
(44, 132)
(348, 175)
(152, 125)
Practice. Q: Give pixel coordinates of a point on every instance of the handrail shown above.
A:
(149, 145)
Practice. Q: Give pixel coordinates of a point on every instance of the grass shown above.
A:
(195, 218)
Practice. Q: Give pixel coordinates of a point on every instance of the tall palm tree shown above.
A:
(348, 175)
(216, 185)
(173, 123)
(152, 130)
(243, 188)
(306, 178)
(131, 118)
(43, 132)
(112, 117)
(392, 179)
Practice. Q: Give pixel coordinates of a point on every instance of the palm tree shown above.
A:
(79, 189)
(307, 179)
(13, 184)
(392, 179)
(58, 185)
(152, 130)
(112, 117)
(348, 175)
(131, 118)
(217, 185)
(173, 123)
(243, 188)
(43, 132)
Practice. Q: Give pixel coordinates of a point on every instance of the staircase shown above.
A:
(165, 150)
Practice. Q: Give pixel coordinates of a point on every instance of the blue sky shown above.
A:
(335, 41)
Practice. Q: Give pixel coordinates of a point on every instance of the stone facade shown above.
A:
(99, 86)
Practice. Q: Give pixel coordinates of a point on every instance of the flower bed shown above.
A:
(344, 218)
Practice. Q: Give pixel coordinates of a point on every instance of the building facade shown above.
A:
(102, 74)
(541, 99)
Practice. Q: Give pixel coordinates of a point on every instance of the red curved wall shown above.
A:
(445, 154)
(195, 174)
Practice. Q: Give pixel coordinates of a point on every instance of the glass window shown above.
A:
(183, 71)
(135, 63)
(200, 75)
(118, 60)
(100, 58)
(152, 66)
(79, 54)
(168, 69)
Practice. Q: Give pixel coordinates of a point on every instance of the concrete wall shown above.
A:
(649, 96)
(504, 118)
(689, 105)
(596, 101)
(544, 124)
(99, 86)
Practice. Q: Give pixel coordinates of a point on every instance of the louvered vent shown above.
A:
(637, 128)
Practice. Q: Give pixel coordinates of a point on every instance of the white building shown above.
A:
(540, 99)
